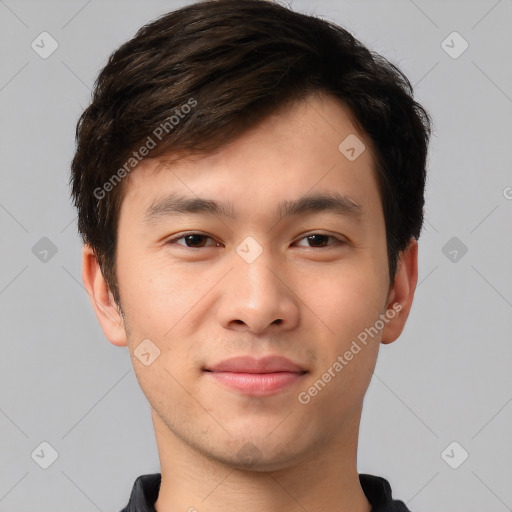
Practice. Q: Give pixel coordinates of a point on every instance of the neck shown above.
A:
(324, 479)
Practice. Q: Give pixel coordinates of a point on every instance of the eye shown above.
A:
(198, 241)
(192, 240)
(319, 240)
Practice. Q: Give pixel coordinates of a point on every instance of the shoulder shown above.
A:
(379, 494)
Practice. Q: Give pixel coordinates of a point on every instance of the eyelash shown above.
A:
(173, 241)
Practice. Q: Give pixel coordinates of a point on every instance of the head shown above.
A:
(248, 103)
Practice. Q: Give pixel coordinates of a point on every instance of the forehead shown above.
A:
(309, 147)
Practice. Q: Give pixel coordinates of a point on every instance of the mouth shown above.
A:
(257, 377)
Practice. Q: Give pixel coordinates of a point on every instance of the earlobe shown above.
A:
(402, 293)
(102, 300)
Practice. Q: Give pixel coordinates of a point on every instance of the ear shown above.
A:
(103, 303)
(402, 292)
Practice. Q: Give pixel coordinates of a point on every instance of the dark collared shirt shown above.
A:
(377, 489)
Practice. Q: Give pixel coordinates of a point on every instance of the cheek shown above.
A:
(157, 300)
(154, 294)
(351, 299)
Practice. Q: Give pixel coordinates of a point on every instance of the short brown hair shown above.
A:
(232, 63)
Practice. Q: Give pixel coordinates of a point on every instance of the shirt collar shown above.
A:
(377, 490)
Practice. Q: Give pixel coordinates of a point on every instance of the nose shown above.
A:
(257, 297)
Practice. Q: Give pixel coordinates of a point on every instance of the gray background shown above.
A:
(448, 378)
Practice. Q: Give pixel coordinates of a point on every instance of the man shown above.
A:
(250, 189)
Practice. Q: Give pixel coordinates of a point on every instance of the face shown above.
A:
(257, 277)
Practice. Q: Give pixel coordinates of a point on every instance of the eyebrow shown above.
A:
(174, 204)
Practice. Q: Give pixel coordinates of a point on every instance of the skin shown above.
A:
(203, 304)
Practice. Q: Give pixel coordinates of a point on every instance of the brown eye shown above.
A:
(318, 240)
(192, 240)
(195, 240)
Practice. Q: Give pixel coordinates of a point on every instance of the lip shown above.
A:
(257, 384)
(256, 377)
(249, 364)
